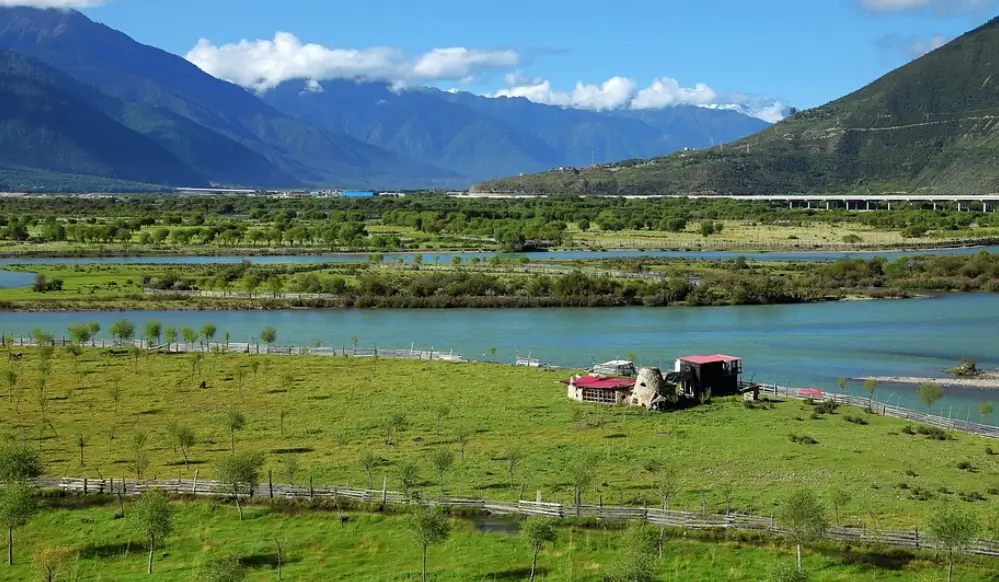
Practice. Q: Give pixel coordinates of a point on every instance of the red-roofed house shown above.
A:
(718, 373)
(599, 389)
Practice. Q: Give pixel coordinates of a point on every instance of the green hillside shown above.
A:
(927, 127)
(50, 129)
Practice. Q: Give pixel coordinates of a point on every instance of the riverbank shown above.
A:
(41, 251)
(986, 381)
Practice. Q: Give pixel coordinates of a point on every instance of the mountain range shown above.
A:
(86, 107)
(928, 127)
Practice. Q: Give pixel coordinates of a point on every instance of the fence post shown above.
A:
(270, 483)
(311, 490)
(384, 490)
(537, 497)
(194, 486)
(84, 485)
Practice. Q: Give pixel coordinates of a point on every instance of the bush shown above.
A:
(826, 407)
(909, 430)
(803, 439)
(989, 451)
(971, 496)
(965, 466)
(933, 433)
(856, 419)
(992, 490)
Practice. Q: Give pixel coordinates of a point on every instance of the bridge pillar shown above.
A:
(889, 206)
(827, 205)
(985, 206)
(934, 205)
(809, 204)
(959, 207)
(868, 205)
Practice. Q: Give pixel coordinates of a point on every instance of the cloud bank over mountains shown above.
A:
(261, 65)
(51, 3)
(938, 7)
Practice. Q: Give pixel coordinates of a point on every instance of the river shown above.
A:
(430, 257)
(809, 345)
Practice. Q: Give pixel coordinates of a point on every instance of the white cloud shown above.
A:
(614, 93)
(940, 7)
(264, 64)
(912, 47)
(623, 93)
(918, 47)
(261, 65)
(665, 92)
(52, 3)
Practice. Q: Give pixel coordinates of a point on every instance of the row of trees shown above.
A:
(234, 220)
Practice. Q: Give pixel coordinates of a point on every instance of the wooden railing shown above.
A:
(667, 518)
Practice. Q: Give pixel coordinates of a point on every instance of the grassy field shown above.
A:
(378, 547)
(742, 234)
(735, 234)
(321, 414)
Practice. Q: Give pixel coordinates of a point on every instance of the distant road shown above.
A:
(988, 201)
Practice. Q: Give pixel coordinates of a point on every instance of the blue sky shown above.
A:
(802, 53)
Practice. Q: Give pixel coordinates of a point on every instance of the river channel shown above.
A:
(430, 257)
(808, 345)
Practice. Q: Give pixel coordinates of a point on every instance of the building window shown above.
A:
(601, 396)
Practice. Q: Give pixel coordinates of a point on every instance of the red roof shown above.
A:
(710, 359)
(602, 383)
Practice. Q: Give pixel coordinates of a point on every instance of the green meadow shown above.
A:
(341, 420)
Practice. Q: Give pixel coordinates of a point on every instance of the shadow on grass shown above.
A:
(110, 550)
(518, 574)
(80, 501)
(266, 561)
(889, 559)
(294, 450)
(616, 435)
(151, 412)
(181, 463)
(275, 391)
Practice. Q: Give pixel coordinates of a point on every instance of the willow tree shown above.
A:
(803, 519)
(152, 517)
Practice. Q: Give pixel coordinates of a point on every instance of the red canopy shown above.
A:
(710, 359)
(602, 383)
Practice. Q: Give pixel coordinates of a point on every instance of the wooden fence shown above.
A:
(887, 410)
(667, 518)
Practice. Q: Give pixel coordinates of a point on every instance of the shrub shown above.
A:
(910, 473)
(803, 439)
(826, 407)
(965, 466)
(989, 451)
(856, 419)
(933, 433)
(992, 490)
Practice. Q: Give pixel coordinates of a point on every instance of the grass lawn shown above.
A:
(336, 409)
(379, 547)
